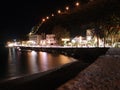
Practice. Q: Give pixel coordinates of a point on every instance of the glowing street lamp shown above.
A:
(47, 17)
(59, 11)
(67, 8)
(52, 15)
(43, 19)
(77, 4)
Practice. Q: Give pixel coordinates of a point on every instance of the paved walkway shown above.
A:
(103, 74)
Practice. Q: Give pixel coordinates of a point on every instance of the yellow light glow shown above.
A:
(47, 17)
(10, 45)
(43, 19)
(52, 14)
(77, 4)
(59, 11)
(65, 39)
(67, 8)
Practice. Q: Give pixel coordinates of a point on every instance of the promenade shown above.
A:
(103, 74)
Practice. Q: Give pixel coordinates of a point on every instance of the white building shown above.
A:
(89, 34)
(50, 39)
(35, 38)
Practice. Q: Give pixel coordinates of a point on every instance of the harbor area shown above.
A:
(100, 74)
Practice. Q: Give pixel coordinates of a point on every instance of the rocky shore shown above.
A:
(103, 74)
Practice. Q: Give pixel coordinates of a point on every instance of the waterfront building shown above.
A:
(35, 38)
(89, 34)
(50, 39)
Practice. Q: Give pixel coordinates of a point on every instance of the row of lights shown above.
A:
(59, 11)
(52, 15)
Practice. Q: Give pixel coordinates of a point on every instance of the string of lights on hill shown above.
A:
(72, 16)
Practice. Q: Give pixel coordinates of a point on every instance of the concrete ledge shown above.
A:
(103, 74)
(113, 51)
(49, 80)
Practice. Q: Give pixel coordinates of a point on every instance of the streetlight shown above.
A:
(59, 11)
(52, 15)
(47, 17)
(43, 19)
(67, 8)
(77, 4)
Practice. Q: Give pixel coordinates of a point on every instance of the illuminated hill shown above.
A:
(79, 16)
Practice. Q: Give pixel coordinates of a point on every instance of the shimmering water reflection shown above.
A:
(30, 62)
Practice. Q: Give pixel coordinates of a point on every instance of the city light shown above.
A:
(65, 39)
(43, 19)
(47, 17)
(59, 11)
(89, 41)
(10, 45)
(52, 14)
(67, 8)
(77, 4)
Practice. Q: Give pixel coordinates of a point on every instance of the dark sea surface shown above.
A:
(14, 63)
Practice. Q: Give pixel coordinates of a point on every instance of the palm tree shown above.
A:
(114, 30)
(116, 22)
(98, 33)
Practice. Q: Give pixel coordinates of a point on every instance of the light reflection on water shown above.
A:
(30, 62)
(12, 62)
(32, 65)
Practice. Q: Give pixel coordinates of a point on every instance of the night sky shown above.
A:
(17, 18)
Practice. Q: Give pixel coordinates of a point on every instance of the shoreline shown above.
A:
(103, 74)
(86, 54)
(48, 81)
(57, 77)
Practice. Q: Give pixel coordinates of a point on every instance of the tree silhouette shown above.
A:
(60, 32)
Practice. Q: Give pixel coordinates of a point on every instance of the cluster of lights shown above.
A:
(67, 8)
